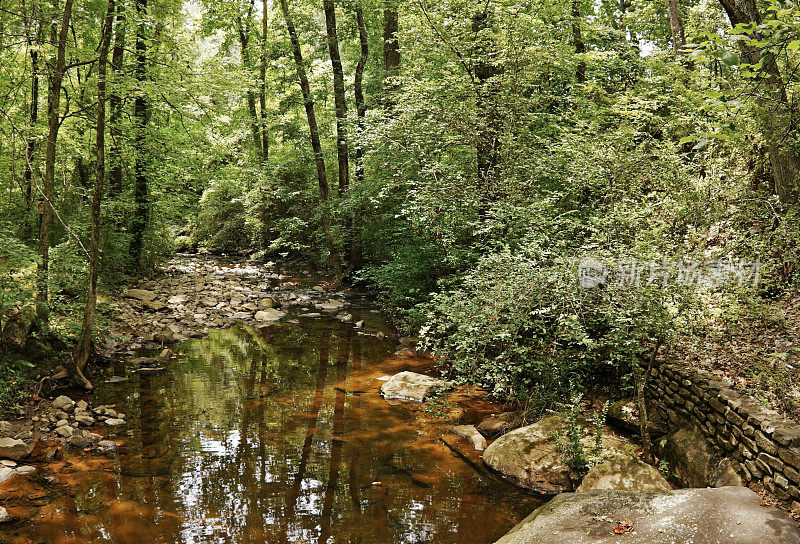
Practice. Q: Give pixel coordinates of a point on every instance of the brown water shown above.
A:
(275, 435)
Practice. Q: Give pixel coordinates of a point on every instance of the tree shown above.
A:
(676, 26)
(577, 39)
(141, 113)
(115, 100)
(243, 31)
(338, 95)
(319, 157)
(263, 84)
(361, 108)
(84, 348)
(57, 70)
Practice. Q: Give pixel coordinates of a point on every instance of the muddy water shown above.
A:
(274, 435)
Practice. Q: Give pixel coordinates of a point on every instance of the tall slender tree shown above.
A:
(141, 112)
(313, 128)
(84, 348)
(243, 31)
(262, 95)
(338, 96)
(577, 41)
(115, 100)
(676, 26)
(57, 68)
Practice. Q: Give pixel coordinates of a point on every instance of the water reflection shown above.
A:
(276, 435)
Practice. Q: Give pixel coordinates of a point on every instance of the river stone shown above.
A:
(81, 406)
(26, 470)
(106, 445)
(85, 420)
(13, 449)
(412, 386)
(4, 517)
(492, 427)
(727, 515)
(528, 456)
(63, 403)
(269, 314)
(6, 473)
(330, 305)
(114, 422)
(689, 456)
(624, 474)
(65, 431)
(140, 294)
(471, 433)
(176, 299)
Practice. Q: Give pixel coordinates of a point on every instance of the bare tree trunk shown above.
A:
(30, 146)
(391, 50)
(141, 112)
(53, 124)
(262, 95)
(640, 378)
(338, 96)
(115, 101)
(313, 129)
(577, 41)
(244, 41)
(84, 348)
(676, 26)
(776, 114)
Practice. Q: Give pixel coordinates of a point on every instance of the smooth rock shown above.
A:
(85, 420)
(727, 515)
(118, 379)
(63, 403)
(269, 314)
(6, 473)
(140, 294)
(624, 474)
(113, 422)
(4, 517)
(107, 445)
(471, 433)
(26, 470)
(330, 305)
(412, 386)
(8, 463)
(13, 449)
(65, 431)
(492, 427)
(689, 455)
(726, 474)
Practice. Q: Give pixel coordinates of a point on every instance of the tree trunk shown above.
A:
(313, 129)
(676, 26)
(338, 95)
(141, 113)
(53, 124)
(391, 51)
(640, 378)
(84, 348)
(487, 70)
(776, 113)
(244, 40)
(30, 146)
(262, 95)
(115, 102)
(577, 41)
(356, 254)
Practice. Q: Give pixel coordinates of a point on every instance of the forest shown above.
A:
(550, 197)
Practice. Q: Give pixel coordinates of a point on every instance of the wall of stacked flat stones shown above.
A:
(766, 445)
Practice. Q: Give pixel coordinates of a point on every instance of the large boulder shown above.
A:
(624, 473)
(528, 456)
(412, 386)
(689, 456)
(141, 294)
(13, 449)
(727, 515)
(269, 314)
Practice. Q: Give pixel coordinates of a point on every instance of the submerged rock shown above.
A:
(471, 433)
(624, 474)
(13, 449)
(728, 515)
(412, 386)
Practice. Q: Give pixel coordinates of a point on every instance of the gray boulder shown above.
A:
(412, 386)
(624, 473)
(13, 449)
(471, 433)
(727, 515)
(689, 455)
(726, 474)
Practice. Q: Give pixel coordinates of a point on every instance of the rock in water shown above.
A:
(624, 473)
(4, 517)
(412, 386)
(13, 449)
(471, 433)
(270, 314)
(727, 515)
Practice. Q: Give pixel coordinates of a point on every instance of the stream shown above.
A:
(276, 434)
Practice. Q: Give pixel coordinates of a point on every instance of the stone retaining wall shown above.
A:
(766, 445)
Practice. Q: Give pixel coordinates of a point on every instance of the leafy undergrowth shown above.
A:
(756, 343)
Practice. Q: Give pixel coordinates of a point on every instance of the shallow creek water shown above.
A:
(274, 435)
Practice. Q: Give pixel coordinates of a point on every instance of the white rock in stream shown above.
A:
(270, 314)
(13, 449)
(4, 517)
(471, 433)
(412, 386)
